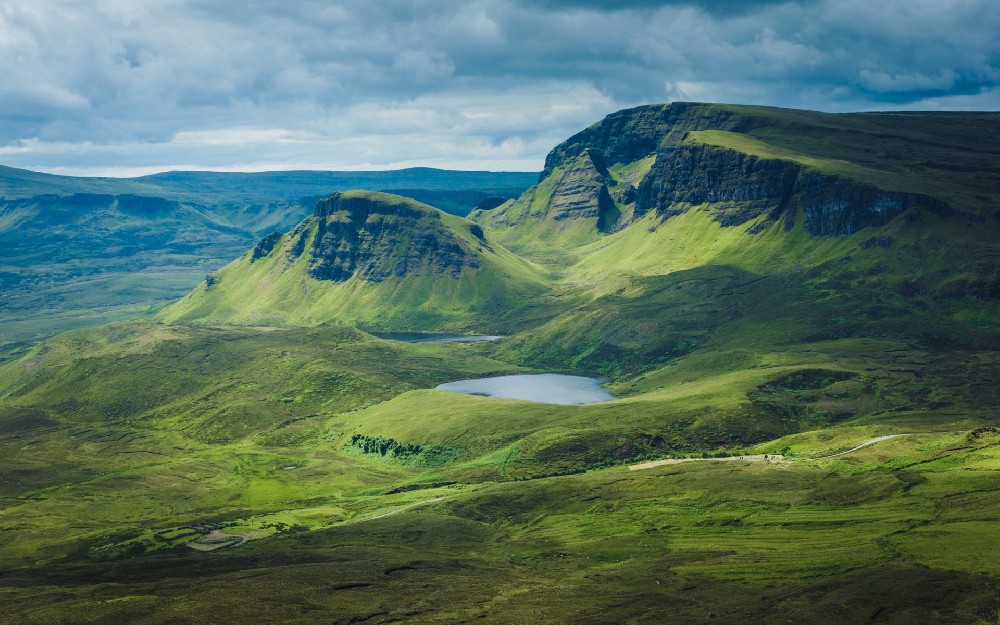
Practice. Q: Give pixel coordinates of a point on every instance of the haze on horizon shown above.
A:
(113, 87)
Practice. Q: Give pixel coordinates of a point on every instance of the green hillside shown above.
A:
(85, 251)
(372, 259)
(817, 234)
(796, 311)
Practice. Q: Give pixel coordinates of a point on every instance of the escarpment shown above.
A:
(736, 187)
(376, 236)
(374, 259)
(632, 134)
(741, 187)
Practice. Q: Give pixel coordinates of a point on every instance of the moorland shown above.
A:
(801, 306)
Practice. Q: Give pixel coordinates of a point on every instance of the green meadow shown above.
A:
(251, 453)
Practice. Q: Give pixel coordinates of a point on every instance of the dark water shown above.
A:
(547, 388)
(427, 337)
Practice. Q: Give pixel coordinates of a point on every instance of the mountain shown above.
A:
(372, 259)
(807, 224)
(83, 251)
(752, 166)
(203, 186)
(797, 311)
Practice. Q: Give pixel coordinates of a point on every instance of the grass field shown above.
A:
(250, 455)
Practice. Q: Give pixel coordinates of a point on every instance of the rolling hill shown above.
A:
(83, 251)
(372, 259)
(797, 311)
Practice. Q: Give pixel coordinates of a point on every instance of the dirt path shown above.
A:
(398, 510)
(867, 443)
(775, 458)
(769, 458)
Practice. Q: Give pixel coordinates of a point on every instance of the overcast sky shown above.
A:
(123, 87)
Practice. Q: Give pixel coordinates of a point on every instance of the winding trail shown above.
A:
(397, 510)
(867, 443)
(769, 458)
(218, 539)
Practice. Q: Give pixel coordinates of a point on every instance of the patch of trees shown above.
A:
(411, 453)
(383, 445)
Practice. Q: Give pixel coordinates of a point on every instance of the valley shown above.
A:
(796, 327)
(81, 252)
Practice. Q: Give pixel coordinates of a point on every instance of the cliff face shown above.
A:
(376, 236)
(632, 134)
(742, 187)
(582, 190)
(737, 187)
(835, 206)
(264, 246)
(375, 260)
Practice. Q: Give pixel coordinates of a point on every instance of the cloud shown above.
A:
(725, 7)
(224, 83)
(883, 82)
(423, 65)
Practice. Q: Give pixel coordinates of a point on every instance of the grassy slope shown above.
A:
(719, 341)
(953, 156)
(270, 291)
(901, 529)
(524, 225)
(252, 428)
(81, 261)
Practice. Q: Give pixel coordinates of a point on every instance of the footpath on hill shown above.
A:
(770, 458)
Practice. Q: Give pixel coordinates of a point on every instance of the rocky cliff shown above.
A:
(377, 235)
(736, 187)
(742, 187)
(633, 134)
(373, 259)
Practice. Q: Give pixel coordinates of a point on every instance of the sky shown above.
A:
(127, 87)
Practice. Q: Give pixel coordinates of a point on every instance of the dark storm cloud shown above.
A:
(114, 85)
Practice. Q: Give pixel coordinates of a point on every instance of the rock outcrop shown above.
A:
(578, 189)
(737, 187)
(375, 236)
(741, 187)
(264, 246)
(632, 134)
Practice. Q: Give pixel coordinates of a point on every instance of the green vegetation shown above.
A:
(86, 251)
(747, 144)
(403, 266)
(254, 455)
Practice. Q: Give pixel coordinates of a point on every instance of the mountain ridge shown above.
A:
(83, 251)
(748, 168)
(257, 408)
(360, 257)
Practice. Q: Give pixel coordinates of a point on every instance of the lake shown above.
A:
(428, 337)
(546, 388)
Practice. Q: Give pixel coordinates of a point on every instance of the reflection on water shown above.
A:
(547, 388)
(428, 337)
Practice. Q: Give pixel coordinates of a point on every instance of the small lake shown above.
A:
(429, 337)
(546, 388)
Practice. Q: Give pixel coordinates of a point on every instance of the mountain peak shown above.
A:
(374, 236)
(371, 258)
(360, 204)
